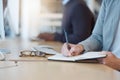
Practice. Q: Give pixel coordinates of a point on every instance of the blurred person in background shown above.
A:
(78, 22)
(94, 6)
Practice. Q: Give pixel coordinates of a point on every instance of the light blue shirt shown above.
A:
(116, 42)
(64, 2)
(106, 28)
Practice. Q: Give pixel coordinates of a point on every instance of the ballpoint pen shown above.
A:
(66, 37)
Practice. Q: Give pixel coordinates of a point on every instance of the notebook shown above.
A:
(85, 56)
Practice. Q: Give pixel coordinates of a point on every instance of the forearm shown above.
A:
(117, 66)
(112, 61)
(93, 43)
(81, 47)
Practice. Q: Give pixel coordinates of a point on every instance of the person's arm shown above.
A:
(82, 22)
(111, 60)
(46, 36)
(94, 42)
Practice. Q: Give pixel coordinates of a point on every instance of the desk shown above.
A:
(53, 70)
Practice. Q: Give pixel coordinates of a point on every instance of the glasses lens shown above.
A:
(38, 53)
(25, 53)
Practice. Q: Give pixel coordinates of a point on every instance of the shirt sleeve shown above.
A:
(95, 41)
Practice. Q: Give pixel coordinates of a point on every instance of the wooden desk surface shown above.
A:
(50, 70)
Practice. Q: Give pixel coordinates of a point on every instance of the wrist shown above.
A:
(118, 62)
(81, 47)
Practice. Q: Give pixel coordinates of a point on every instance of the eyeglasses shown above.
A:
(26, 53)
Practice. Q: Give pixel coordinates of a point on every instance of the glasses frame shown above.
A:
(29, 53)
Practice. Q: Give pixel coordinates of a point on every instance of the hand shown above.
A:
(46, 36)
(111, 60)
(74, 50)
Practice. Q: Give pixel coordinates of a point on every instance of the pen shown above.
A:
(66, 38)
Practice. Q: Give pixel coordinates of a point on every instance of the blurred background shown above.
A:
(28, 18)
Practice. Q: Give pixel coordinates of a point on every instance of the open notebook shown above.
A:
(85, 56)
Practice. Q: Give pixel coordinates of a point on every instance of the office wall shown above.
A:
(11, 17)
(53, 6)
(39, 16)
(94, 6)
(2, 35)
(13, 12)
(30, 10)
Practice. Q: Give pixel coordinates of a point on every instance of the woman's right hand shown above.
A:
(74, 49)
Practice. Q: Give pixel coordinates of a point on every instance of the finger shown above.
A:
(73, 54)
(65, 55)
(103, 61)
(106, 52)
(65, 51)
(74, 51)
(109, 54)
(71, 45)
(100, 60)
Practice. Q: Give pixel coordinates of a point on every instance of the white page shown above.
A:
(88, 55)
